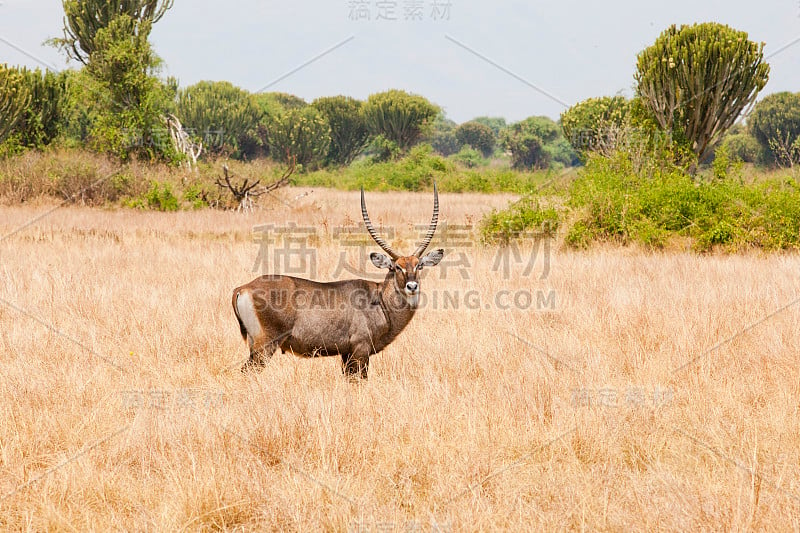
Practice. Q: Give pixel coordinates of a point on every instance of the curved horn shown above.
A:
(434, 221)
(372, 232)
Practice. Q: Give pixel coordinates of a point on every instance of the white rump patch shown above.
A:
(247, 312)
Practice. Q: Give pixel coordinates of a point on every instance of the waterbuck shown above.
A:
(354, 318)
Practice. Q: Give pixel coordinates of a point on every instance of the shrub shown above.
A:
(443, 137)
(524, 216)
(476, 135)
(526, 141)
(775, 124)
(744, 147)
(469, 157)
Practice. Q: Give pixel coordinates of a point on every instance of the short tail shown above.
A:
(238, 318)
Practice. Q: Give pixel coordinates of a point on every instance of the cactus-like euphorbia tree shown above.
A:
(84, 18)
(14, 98)
(698, 79)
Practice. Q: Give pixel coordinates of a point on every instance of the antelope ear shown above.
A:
(432, 258)
(381, 261)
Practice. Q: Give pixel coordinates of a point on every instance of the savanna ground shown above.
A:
(654, 392)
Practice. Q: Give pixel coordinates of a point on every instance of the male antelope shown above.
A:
(354, 318)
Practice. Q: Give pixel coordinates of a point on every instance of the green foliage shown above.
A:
(743, 147)
(775, 124)
(478, 136)
(469, 157)
(301, 134)
(14, 98)
(560, 152)
(83, 20)
(382, 149)
(224, 117)
(527, 215)
(593, 125)
(724, 165)
(41, 121)
(615, 204)
(158, 198)
(526, 140)
(696, 80)
(443, 137)
(497, 124)
(416, 171)
(196, 196)
(127, 99)
(610, 201)
(400, 117)
(349, 131)
(282, 101)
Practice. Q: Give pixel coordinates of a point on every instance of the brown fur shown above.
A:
(354, 318)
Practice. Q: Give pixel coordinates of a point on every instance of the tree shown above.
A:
(442, 136)
(223, 116)
(14, 98)
(478, 136)
(283, 100)
(42, 120)
(595, 123)
(400, 117)
(696, 81)
(128, 98)
(349, 131)
(83, 19)
(775, 124)
(497, 124)
(527, 139)
(300, 135)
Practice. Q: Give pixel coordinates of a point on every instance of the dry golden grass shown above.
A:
(122, 406)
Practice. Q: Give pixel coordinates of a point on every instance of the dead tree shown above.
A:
(244, 192)
(182, 142)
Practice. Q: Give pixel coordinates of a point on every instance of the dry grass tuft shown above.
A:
(661, 392)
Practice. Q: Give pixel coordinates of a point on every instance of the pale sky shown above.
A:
(509, 59)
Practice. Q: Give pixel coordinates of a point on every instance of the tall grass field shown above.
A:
(538, 387)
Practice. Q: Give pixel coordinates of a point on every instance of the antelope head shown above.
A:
(405, 269)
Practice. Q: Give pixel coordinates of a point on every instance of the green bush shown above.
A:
(443, 136)
(476, 135)
(775, 124)
(744, 147)
(416, 171)
(524, 216)
(301, 134)
(158, 198)
(469, 157)
(612, 203)
(609, 201)
(222, 116)
(527, 139)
